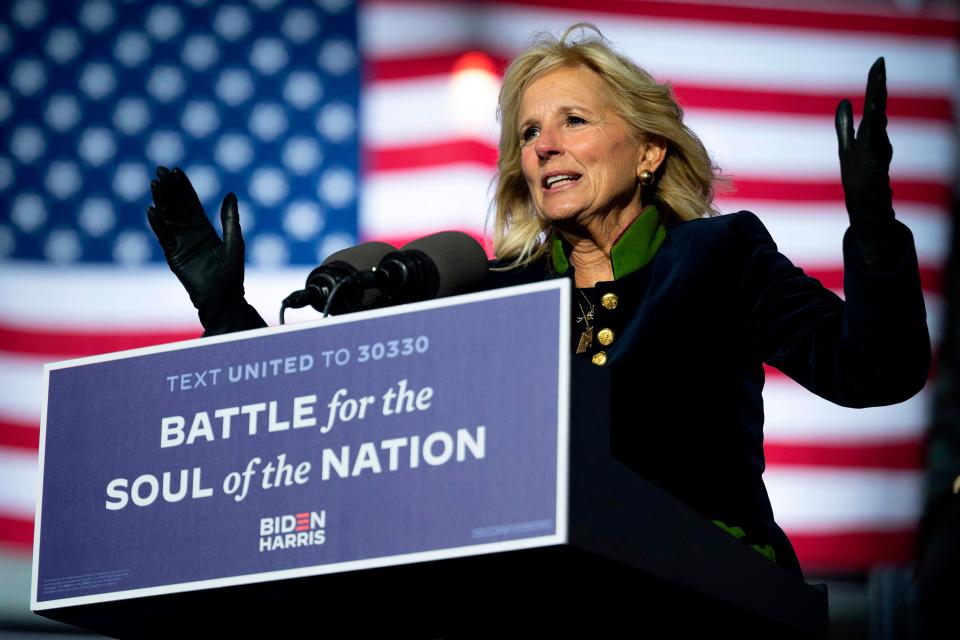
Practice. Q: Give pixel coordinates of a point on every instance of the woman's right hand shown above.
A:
(210, 270)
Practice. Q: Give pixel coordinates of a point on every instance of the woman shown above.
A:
(600, 180)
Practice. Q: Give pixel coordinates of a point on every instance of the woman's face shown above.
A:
(579, 158)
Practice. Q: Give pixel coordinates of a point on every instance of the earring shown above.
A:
(646, 178)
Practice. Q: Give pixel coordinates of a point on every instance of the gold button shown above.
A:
(599, 358)
(609, 301)
(605, 337)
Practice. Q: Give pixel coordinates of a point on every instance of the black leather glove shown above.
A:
(865, 173)
(210, 270)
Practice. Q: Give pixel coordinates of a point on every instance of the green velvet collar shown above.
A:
(632, 251)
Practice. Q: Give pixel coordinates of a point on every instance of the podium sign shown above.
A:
(422, 432)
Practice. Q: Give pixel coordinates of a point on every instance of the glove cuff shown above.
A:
(879, 247)
(237, 315)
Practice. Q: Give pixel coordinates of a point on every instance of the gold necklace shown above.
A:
(586, 316)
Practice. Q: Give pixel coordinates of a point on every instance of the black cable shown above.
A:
(333, 293)
(283, 309)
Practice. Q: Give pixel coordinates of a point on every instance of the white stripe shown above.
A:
(742, 144)
(812, 233)
(804, 147)
(21, 388)
(18, 483)
(394, 30)
(816, 500)
(935, 317)
(791, 60)
(774, 57)
(418, 111)
(424, 200)
(794, 414)
(43, 296)
(420, 202)
(266, 289)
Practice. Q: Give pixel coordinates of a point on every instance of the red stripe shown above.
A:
(479, 152)
(889, 22)
(16, 534)
(854, 552)
(419, 156)
(437, 64)
(399, 241)
(931, 278)
(874, 22)
(302, 528)
(19, 436)
(831, 190)
(765, 101)
(900, 455)
(305, 514)
(73, 344)
(754, 100)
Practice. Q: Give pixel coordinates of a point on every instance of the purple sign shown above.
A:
(427, 431)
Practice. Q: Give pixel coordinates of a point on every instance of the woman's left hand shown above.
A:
(865, 170)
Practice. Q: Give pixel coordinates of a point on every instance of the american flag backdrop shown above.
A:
(336, 123)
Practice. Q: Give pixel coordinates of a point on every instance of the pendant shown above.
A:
(586, 338)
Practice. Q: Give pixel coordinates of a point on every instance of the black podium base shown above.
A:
(514, 594)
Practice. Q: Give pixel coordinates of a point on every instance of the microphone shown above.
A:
(376, 274)
(434, 266)
(338, 269)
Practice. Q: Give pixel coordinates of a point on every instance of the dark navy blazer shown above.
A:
(692, 329)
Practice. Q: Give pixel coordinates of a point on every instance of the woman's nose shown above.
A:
(547, 144)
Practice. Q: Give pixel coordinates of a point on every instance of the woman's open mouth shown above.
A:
(555, 180)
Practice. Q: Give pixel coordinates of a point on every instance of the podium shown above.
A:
(456, 488)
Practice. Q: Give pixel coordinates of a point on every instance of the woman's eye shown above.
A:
(575, 120)
(529, 134)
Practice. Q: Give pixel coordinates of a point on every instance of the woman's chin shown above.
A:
(560, 215)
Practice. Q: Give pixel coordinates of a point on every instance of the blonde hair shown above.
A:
(684, 183)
